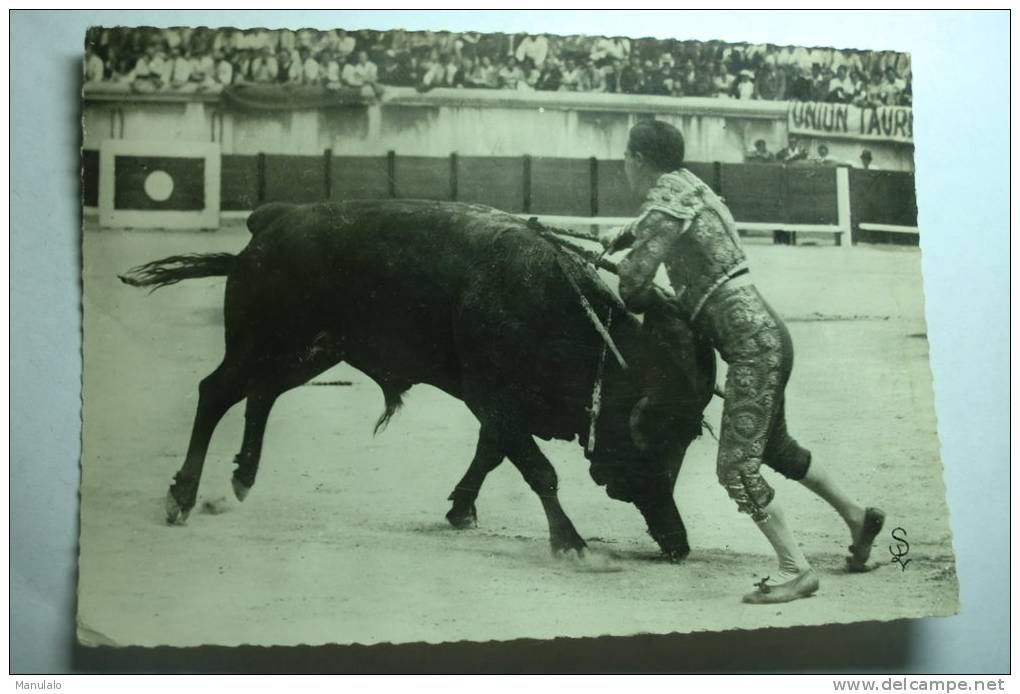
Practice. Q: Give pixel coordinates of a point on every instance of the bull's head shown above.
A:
(651, 413)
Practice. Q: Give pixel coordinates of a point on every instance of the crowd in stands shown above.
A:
(204, 59)
(795, 153)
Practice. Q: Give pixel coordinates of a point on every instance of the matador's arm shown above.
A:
(658, 233)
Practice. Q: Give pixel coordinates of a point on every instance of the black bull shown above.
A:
(467, 299)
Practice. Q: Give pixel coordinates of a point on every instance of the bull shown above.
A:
(470, 300)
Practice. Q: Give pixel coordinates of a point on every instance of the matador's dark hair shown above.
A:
(659, 143)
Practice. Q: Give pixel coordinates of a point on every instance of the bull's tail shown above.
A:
(160, 273)
(394, 401)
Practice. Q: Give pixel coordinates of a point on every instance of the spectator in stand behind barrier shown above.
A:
(606, 50)
(866, 159)
(723, 82)
(180, 71)
(591, 79)
(551, 78)
(432, 74)
(94, 68)
(203, 70)
(823, 158)
(511, 75)
(689, 78)
(311, 71)
(770, 84)
(841, 88)
(362, 72)
(224, 69)
(892, 88)
(744, 88)
(264, 67)
(391, 70)
(331, 69)
(533, 48)
(570, 77)
(147, 75)
(485, 74)
(289, 71)
(800, 86)
(632, 77)
(760, 153)
(242, 65)
(345, 44)
(792, 152)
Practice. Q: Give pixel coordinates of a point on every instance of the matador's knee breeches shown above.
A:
(757, 347)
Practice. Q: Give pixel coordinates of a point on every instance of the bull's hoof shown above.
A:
(570, 553)
(463, 518)
(569, 548)
(676, 555)
(175, 514)
(240, 489)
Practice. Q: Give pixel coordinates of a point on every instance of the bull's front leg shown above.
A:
(538, 472)
(664, 522)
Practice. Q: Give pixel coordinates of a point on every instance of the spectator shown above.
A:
(224, 69)
(724, 82)
(393, 70)
(203, 71)
(311, 71)
(451, 70)
(611, 72)
(744, 87)
(819, 83)
(361, 72)
(823, 158)
(770, 84)
(689, 68)
(180, 71)
(552, 77)
(264, 68)
(433, 73)
(149, 70)
(591, 78)
(841, 87)
(792, 152)
(485, 74)
(866, 159)
(533, 48)
(760, 153)
(289, 70)
(332, 69)
(893, 87)
(801, 88)
(570, 77)
(345, 45)
(94, 67)
(607, 50)
(689, 79)
(511, 75)
(632, 77)
(242, 65)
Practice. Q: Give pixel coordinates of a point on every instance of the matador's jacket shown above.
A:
(686, 226)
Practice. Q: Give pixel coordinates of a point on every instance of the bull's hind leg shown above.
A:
(538, 472)
(217, 393)
(488, 456)
(256, 415)
(282, 374)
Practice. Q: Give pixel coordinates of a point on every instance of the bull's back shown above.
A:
(460, 296)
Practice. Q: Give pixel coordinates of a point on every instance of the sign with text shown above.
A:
(891, 123)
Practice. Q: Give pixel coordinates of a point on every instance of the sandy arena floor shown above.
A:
(343, 538)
